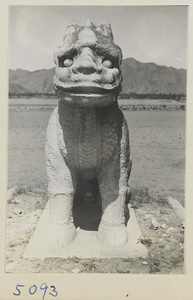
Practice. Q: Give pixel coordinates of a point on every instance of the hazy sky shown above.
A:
(148, 34)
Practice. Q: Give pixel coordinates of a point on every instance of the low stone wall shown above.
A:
(152, 107)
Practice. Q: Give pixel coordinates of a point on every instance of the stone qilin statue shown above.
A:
(87, 135)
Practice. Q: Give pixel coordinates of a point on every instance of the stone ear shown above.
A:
(120, 54)
(58, 49)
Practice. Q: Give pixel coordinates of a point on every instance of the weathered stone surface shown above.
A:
(87, 135)
(177, 207)
(86, 244)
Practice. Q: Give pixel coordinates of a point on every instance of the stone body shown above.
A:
(87, 135)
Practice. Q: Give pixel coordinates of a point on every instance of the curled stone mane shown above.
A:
(100, 37)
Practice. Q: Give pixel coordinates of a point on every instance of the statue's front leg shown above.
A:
(61, 216)
(61, 196)
(61, 187)
(113, 185)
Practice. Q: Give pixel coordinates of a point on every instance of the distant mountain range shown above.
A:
(138, 78)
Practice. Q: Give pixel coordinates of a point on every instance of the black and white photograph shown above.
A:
(96, 144)
(97, 106)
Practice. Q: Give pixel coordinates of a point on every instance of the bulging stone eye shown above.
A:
(68, 62)
(107, 64)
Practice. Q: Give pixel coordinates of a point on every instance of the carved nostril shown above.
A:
(86, 64)
(86, 70)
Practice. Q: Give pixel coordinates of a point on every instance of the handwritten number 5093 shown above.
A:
(33, 289)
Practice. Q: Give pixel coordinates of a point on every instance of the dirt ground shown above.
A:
(158, 154)
(165, 244)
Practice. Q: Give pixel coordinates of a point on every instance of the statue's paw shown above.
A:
(62, 234)
(113, 236)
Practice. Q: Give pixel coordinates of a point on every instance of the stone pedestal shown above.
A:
(85, 244)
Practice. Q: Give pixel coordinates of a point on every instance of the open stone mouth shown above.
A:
(82, 90)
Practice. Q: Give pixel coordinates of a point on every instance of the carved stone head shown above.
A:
(88, 65)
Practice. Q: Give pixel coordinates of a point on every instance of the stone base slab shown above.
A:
(177, 207)
(85, 244)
